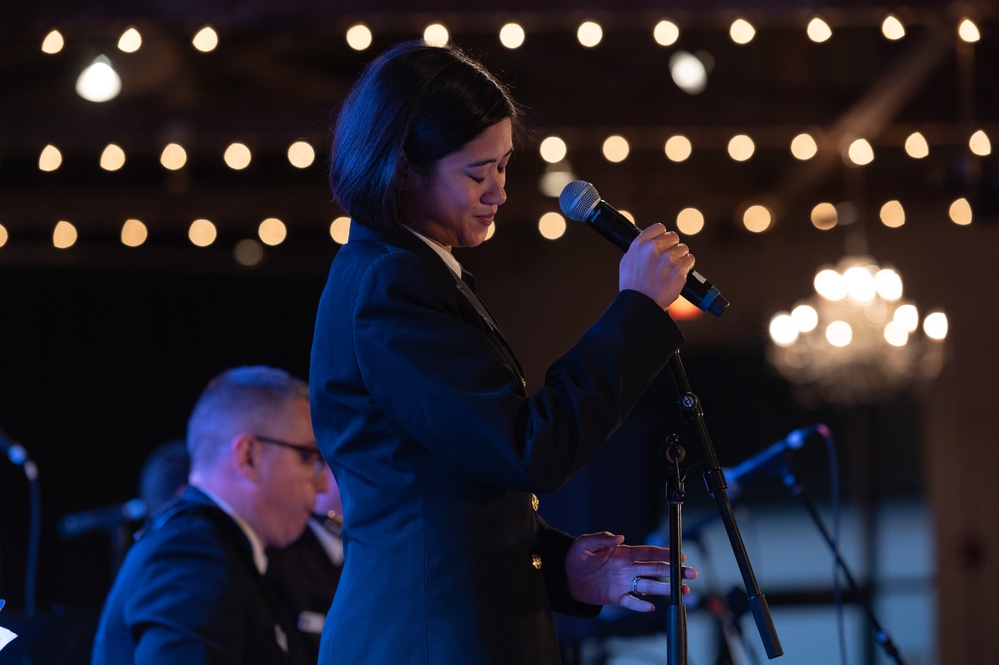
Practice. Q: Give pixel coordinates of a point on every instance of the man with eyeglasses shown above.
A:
(192, 588)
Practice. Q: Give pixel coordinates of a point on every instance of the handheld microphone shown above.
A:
(581, 202)
(772, 456)
(107, 518)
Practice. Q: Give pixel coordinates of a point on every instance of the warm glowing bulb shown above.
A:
(340, 230)
(888, 284)
(553, 149)
(860, 153)
(783, 330)
(64, 235)
(436, 34)
(272, 231)
(206, 39)
(968, 31)
(803, 146)
(892, 28)
(133, 233)
(615, 149)
(237, 156)
(757, 218)
(589, 33)
(805, 318)
(742, 31)
(301, 154)
(552, 225)
(892, 214)
(130, 41)
(666, 33)
(173, 157)
(358, 37)
(916, 146)
(935, 325)
(979, 144)
(99, 82)
(960, 212)
(678, 148)
(829, 284)
(839, 334)
(53, 42)
(112, 158)
(202, 233)
(818, 30)
(512, 35)
(50, 159)
(741, 147)
(690, 221)
(906, 316)
(824, 216)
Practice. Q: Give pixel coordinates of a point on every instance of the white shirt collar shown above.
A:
(330, 543)
(448, 257)
(259, 556)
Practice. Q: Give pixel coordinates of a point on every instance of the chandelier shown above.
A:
(857, 340)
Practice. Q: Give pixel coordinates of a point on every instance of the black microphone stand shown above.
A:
(714, 479)
(881, 636)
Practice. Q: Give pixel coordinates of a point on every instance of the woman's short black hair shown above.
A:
(421, 101)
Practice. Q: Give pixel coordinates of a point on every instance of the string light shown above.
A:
(553, 149)
(757, 218)
(130, 41)
(616, 149)
(678, 148)
(340, 230)
(892, 214)
(272, 231)
(206, 39)
(741, 147)
(589, 33)
(359, 37)
(202, 233)
(512, 35)
(892, 28)
(436, 34)
(301, 154)
(552, 225)
(112, 158)
(173, 157)
(818, 30)
(916, 146)
(53, 42)
(690, 221)
(99, 82)
(133, 233)
(968, 31)
(50, 159)
(237, 156)
(666, 33)
(742, 31)
(804, 147)
(64, 235)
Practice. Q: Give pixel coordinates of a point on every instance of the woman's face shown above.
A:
(455, 203)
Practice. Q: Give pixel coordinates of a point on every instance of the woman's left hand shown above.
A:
(601, 570)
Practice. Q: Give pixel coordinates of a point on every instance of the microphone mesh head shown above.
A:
(577, 199)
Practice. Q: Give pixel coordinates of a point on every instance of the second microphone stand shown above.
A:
(714, 478)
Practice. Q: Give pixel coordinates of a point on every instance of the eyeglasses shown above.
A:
(310, 456)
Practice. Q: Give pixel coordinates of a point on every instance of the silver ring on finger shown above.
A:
(634, 585)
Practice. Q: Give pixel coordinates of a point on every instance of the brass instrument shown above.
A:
(332, 521)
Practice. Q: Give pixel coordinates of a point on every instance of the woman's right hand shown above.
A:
(656, 264)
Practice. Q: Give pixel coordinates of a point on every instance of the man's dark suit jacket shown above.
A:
(304, 578)
(189, 592)
(421, 409)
